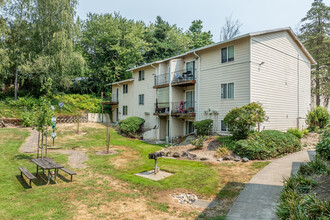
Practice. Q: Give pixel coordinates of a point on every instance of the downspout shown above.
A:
(198, 82)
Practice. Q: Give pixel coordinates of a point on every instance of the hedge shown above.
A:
(203, 127)
(131, 125)
(267, 144)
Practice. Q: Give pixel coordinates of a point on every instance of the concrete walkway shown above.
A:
(258, 200)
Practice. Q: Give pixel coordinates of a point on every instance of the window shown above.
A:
(124, 109)
(189, 127)
(125, 88)
(141, 99)
(141, 75)
(227, 91)
(227, 54)
(223, 126)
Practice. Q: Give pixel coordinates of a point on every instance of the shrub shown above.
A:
(296, 132)
(305, 132)
(203, 127)
(199, 142)
(323, 147)
(240, 121)
(318, 117)
(299, 183)
(77, 102)
(223, 151)
(131, 125)
(267, 144)
(315, 166)
(227, 141)
(28, 119)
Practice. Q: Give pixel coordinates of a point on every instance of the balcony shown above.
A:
(184, 78)
(114, 100)
(162, 81)
(183, 109)
(162, 108)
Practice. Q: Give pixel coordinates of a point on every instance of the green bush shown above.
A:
(203, 127)
(28, 119)
(305, 132)
(323, 147)
(296, 132)
(240, 121)
(227, 141)
(131, 125)
(199, 142)
(318, 118)
(77, 102)
(267, 144)
(315, 166)
(296, 204)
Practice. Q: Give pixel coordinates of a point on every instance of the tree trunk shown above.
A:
(16, 78)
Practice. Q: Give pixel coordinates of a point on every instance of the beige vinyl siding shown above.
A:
(144, 87)
(214, 73)
(275, 82)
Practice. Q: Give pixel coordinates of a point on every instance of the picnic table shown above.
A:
(47, 164)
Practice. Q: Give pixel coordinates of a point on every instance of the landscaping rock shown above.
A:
(204, 158)
(184, 154)
(185, 198)
(244, 159)
(192, 156)
(228, 157)
(162, 153)
(237, 159)
(169, 154)
(176, 154)
(220, 159)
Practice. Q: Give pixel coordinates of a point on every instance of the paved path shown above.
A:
(31, 143)
(258, 198)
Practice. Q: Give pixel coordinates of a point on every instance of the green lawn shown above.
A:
(109, 181)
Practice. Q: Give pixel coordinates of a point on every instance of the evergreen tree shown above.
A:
(315, 37)
(198, 37)
(165, 40)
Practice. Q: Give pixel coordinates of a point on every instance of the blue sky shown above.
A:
(255, 15)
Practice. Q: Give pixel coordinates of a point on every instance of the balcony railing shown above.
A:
(114, 97)
(183, 76)
(162, 79)
(162, 107)
(182, 107)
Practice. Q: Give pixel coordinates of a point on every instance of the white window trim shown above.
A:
(227, 54)
(227, 91)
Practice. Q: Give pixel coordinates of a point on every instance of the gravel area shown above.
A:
(76, 158)
(31, 143)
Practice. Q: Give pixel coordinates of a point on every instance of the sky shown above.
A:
(254, 15)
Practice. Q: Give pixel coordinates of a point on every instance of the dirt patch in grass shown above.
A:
(125, 156)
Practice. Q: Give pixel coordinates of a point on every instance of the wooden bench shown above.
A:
(28, 175)
(68, 172)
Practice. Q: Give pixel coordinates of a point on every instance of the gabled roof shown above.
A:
(288, 29)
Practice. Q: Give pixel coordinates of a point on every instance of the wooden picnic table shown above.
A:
(47, 164)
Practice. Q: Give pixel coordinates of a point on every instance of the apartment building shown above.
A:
(270, 67)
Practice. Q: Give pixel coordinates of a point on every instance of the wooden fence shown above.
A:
(59, 119)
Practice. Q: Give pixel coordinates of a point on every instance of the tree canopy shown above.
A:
(315, 37)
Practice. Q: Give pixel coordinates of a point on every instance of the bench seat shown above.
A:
(71, 173)
(28, 175)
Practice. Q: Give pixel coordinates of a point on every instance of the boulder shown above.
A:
(228, 157)
(245, 159)
(169, 154)
(176, 154)
(220, 159)
(184, 154)
(204, 158)
(237, 158)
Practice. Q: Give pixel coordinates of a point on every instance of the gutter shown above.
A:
(198, 82)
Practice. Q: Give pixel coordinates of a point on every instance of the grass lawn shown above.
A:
(108, 188)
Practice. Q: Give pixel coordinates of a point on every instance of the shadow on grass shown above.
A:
(23, 157)
(218, 207)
